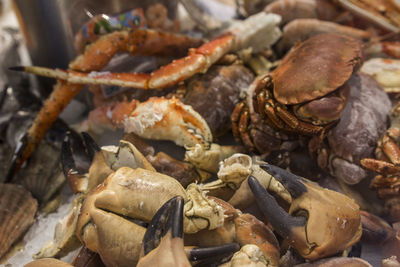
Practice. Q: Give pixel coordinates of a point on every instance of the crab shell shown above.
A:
(325, 235)
(313, 69)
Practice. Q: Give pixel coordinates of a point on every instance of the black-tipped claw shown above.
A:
(67, 158)
(280, 220)
(212, 256)
(91, 146)
(290, 181)
(168, 217)
(74, 157)
(76, 160)
(17, 68)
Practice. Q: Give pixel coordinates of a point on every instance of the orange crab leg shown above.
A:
(143, 42)
(198, 60)
(380, 166)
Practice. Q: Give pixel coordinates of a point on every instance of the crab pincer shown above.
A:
(163, 244)
(82, 158)
(319, 223)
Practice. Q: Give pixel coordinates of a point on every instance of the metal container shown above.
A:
(49, 27)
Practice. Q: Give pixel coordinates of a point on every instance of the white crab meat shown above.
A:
(168, 119)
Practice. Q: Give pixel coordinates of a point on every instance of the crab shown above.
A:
(355, 136)
(265, 245)
(386, 164)
(243, 181)
(305, 94)
(163, 242)
(116, 187)
(161, 118)
(258, 31)
(335, 215)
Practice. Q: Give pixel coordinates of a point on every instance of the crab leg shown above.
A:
(259, 30)
(198, 60)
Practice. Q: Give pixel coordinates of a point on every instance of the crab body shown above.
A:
(214, 94)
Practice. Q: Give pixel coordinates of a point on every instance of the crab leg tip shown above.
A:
(280, 220)
(91, 145)
(21, 153)
(17, 68)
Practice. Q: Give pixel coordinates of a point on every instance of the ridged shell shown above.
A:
(17, 212)
(43, 176)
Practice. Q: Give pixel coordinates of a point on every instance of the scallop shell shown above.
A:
(43, 176)
(17, 212)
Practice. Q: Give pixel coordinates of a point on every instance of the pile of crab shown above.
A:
(304, 88)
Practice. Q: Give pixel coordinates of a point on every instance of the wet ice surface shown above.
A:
(41, 232)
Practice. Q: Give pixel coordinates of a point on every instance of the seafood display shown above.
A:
(244, 142)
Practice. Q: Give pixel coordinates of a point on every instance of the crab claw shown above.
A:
(319, 223)
(211, 255)
(88, 153)
(168, 119)
(163, 241)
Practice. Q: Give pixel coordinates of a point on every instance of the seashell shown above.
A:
(17, 212)
(42, 176)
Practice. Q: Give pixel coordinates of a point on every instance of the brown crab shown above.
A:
(386, 164)
(305, 94)
(319, 223)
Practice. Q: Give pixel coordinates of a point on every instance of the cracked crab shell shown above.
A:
(316, 67)
(17, 212)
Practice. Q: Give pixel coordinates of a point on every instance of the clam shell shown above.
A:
(17, 212)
